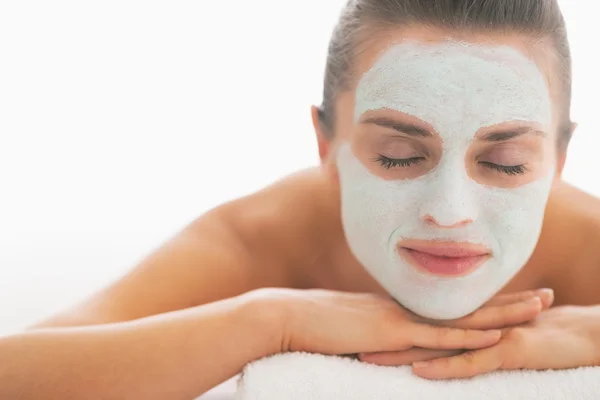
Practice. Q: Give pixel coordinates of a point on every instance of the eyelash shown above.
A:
(389, 163)
(508, 170)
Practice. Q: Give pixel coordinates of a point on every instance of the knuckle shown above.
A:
(469, 358)
(518, 336)
(469, 363)
(446, 333)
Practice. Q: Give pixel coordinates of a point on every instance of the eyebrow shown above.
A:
(402, 127)
(510, 133)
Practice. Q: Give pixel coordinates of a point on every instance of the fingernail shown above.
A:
(421, 364)
(548, 292)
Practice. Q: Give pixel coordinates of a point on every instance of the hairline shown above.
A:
(540, 47)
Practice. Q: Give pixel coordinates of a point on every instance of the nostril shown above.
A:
(429, 219)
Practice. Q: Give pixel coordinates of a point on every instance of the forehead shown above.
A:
(450, 82)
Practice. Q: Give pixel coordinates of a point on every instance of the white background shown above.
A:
(122, 121)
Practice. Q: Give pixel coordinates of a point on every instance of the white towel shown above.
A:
(300, 376)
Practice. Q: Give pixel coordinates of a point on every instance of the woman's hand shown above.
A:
(560, 338)
(337, 323)
(495, 314)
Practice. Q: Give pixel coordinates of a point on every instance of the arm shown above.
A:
(207, 261)
(131, 336)
(177, 355)
(182, 354)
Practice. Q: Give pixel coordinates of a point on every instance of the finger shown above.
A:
(520, 314)
(547, 296)
(407, 357)
(447, 338)
(510, 298)
(466, 365)
(500, 316)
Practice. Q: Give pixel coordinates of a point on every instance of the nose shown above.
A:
(449, 205)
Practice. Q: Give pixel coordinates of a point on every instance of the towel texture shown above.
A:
(310, 377)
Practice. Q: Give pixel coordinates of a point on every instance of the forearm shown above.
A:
(177, 355)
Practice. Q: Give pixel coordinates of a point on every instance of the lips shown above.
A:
(449, 259)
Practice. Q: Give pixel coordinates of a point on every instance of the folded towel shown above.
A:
(300, 376)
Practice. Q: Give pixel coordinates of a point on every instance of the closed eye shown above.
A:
(390, 163)
(505, 169)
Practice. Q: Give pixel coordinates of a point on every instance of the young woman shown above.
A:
(436, 220)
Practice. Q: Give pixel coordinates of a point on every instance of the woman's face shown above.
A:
(445, 151)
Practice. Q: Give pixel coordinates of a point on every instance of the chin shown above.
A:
(443, 297)
(444, 314)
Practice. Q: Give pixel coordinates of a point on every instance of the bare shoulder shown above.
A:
(572, 230)
(579, 200)
(575, 212)
(290, 223)
(241, 245)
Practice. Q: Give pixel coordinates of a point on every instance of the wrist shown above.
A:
(263, 319)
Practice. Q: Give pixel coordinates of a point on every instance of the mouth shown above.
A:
(449, 259)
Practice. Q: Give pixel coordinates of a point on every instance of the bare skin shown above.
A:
(260, 249)
(293, 238)
(196, 303)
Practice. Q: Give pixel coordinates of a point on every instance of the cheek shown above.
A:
(514, 217)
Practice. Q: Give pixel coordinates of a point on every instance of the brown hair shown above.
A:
(540, 19)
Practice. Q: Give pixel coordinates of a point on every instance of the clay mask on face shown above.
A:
(458, 89)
